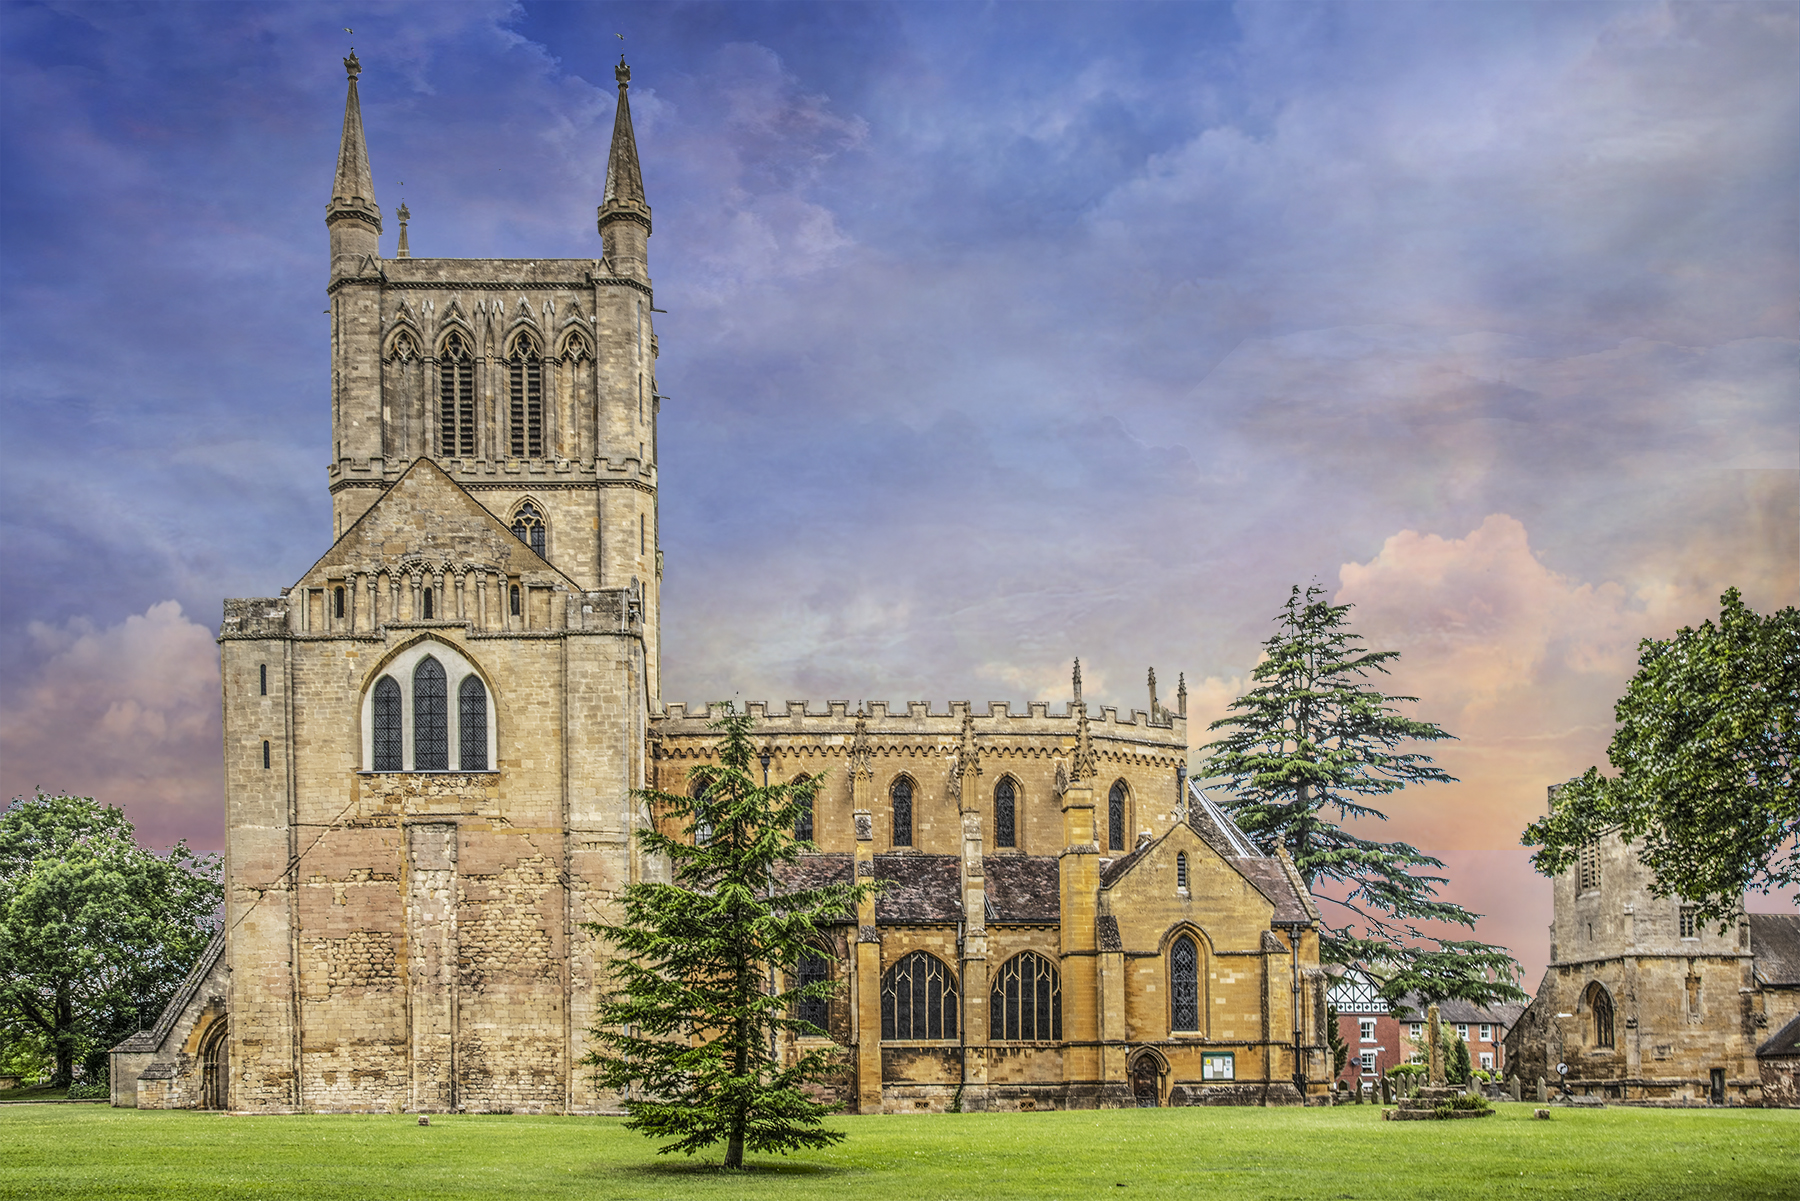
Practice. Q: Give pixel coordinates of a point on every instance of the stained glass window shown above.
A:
(1005, 813)
(431, 732)
(1115, 816)
(918, 999)
(1026, 1003)
(471, 723)
(902, 793)
(1184, 985)
(387, 725)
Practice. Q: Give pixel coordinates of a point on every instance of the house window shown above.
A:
(431, 729)
(1026, 1003)
(918, 999)
(1115, 816)
(1181, 871)
(1589, 866)
(1184, 985)
(803, 821)
(456, 399)
(1690, 927)
(471, 723)
(528, 527)
(1462, 1031)
(902, 793)
(262, 672)
(1487, 1033)
(1005, 826)
(1219, 1066)
(526, 372)
(1368, 1063)
(812, 969)
(387, 725)
(1365, 1030)
(1416, 1030)
(1487, 1061)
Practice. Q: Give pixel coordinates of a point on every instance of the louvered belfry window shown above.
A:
(526, 368)
(1115, 816)
(456, 398)
(903, 824)
(1026, 1004)
(812, 970)
(1184, 985)
(471, 723)
(387, 725)
(431, 731)
(918, 999)
(1005, 813)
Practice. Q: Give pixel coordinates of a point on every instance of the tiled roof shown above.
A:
(1023, 888)
(1786, 1042)
(1464, 1012)
(1271, 879)
(819, 871)
(1775, 941)
(922, 890)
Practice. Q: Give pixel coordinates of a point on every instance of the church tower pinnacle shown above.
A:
(624, 215)
(353, 217)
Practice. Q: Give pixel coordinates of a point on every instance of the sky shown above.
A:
(996, 335)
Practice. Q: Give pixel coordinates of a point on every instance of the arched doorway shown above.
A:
(215, 1065)
(1146, 1082)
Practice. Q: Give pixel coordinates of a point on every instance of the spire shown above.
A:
(624, 213)
(353, 191)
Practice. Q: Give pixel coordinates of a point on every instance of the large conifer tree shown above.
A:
(687, 1032)
(1310, 747)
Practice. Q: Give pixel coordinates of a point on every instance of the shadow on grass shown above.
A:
(665, 1169)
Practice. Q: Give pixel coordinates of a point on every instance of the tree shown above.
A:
(96, 932)
(1307, 748)
(687, 1033)
(1706, 750)
(1340, 1050)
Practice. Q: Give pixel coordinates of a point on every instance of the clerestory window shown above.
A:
(1006, 832)
(1115, 816)
(456, 398)
(902, 795)
(803, 822)
(918, 999)
(525, 369)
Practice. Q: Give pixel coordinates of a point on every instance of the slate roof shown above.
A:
(1271, 879)
(922, 890)
(1786, 1042)
(819, 871)
(152, 1039)
(1023, 889)
(1775, 941)
(1412, 1009)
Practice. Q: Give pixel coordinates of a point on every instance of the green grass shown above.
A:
(70, 1151)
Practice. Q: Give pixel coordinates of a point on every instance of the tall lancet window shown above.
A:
(387, 725)
(1005, 813)
(1115, 816)
(528, 527)
(527, 370)
(471, 723)
(456, 398)
(902, 794)
(431, 727)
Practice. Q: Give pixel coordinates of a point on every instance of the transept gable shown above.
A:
(427, 521)
(1250, 892)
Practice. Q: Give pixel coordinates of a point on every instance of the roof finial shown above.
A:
(622, 73)
(1078, 681)
(403, 251)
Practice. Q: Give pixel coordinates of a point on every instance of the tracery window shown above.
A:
(431, 732)
(1600, 1003)
(1115, 816)
(456, 398)
(387, 725)
(1181, 870)
(1026, 1003)
(471, 723)
(526, 369)
(1184, 984)
(918, 999)
(902, 794)
(803, 824)
(528, 527)
(1005, 813)
(812, 969)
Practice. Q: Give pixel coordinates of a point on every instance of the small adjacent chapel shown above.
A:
(433, 738)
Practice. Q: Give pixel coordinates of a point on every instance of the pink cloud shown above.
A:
(127, 714)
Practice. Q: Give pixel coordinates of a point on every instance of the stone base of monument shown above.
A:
(1437, 1105)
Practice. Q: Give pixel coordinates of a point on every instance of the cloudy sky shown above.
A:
(996, 335)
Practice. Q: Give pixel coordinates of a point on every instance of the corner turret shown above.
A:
(624, 216)
(353, 217)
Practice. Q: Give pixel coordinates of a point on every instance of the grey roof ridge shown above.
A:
(1238, 840)
(152, 1039)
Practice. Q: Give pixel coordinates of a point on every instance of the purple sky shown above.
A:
(997, 335)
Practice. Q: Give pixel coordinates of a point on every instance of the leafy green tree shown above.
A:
(1457, 1064)
(688, 1031)
(1308, 748)
(96, 932)
(1706, 750)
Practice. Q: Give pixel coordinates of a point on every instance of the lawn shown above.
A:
(79, 1151)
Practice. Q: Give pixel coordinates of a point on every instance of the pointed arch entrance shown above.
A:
(215, 1067)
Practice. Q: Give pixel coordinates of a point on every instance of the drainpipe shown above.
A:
(1293, 933)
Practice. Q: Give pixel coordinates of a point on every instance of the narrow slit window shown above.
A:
(526, 368)
(431, 732)
(514, 599)
(456, 399)
(427, 597)
(265, 754)
(1115, 816)
(902, 794)
(471, 724)
(1005, 813)
(640, 533)
(337, 602)
(1181, 871)
(262, 672)
(387, 725)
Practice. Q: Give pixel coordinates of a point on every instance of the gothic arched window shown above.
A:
(803, 823)
(525, 368)
(387, 725)
(703, 830)
(528, 527)
(456, 398)
(1184, 984)
(812, 969)
(1006, 832)
(1600, 1002)
(902, 794)
(918, 999)
(1115, 816)
(431, 733)
(471, 724)
(1026, 1004)
(1181, 875)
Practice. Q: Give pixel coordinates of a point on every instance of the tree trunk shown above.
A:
(740, 1051)
(64, 1039)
